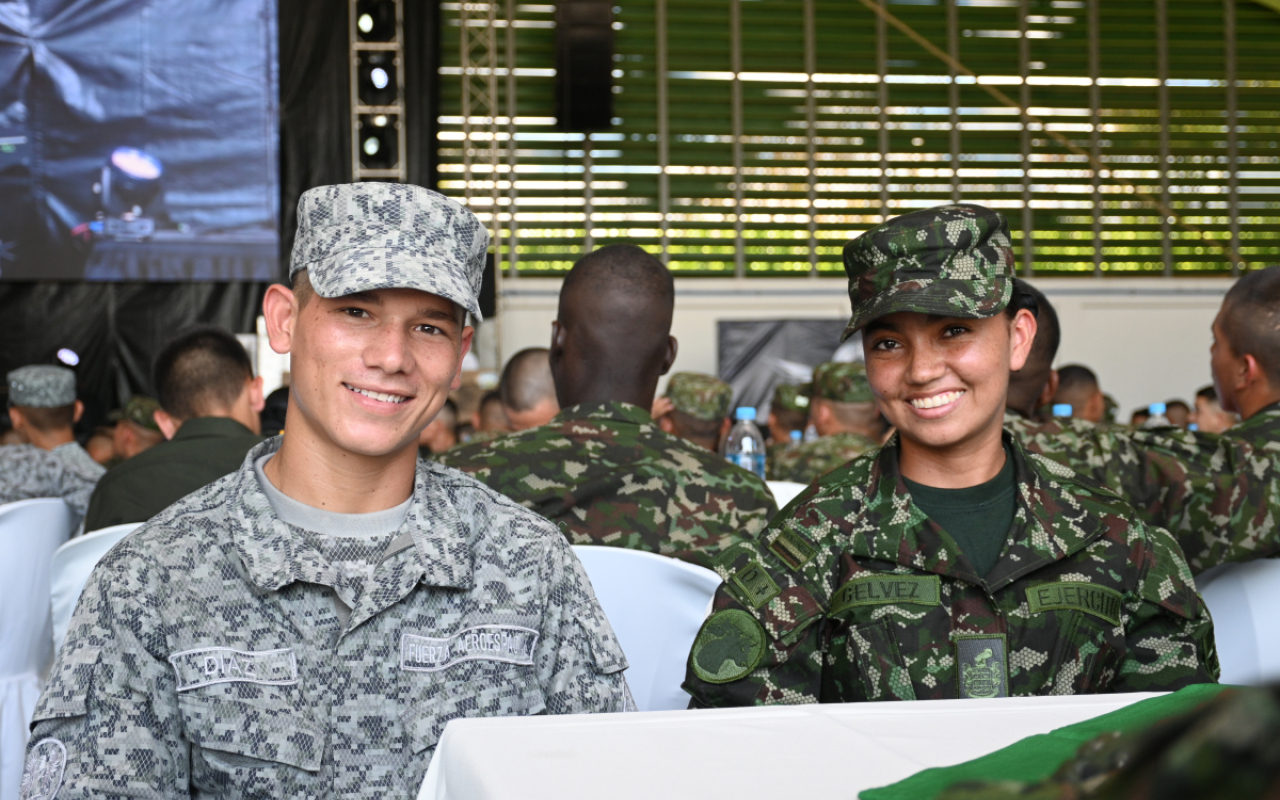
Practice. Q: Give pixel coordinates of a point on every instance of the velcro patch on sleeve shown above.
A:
(210, 665)
(755, 585)
(729, 646)
(888, 589)
(1102, 602)
(792, 549)
(510, 644)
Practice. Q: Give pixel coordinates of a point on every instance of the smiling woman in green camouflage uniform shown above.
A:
(948, 563)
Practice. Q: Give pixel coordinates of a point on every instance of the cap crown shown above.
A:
(359, 237)
(140, 410)
(842, 382)
(792, 397)
(701, 396)
(42, 386)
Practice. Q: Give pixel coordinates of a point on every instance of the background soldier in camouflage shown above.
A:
(305, 626)
(844, 412)
(136, 430)
(603, 469)
(1246, 357)
(43, 407)
(695, 407)
(883, 580)
(788, 413)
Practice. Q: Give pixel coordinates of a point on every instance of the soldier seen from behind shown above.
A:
(844, 412)
(136, 430)
(1078, 388)
(527, 390)
(950, 562)
(696, 408)
(788, 418)
(1245, 357)
(603, 469)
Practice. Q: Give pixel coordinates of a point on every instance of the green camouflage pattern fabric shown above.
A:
(608, 475)
(792, 397)
(863, 597)
(359, 237)
(842, 382)
(954, 260)
(1226, 748)
(702, 396)
(140, 410)
(1218, 495)
(218, 651)
(66, 471)
(41, 386)
(1262, 430)
(812, 460)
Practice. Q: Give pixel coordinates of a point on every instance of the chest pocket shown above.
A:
(1086, 655)
(236, 727)
(873, 651)
(469, 689)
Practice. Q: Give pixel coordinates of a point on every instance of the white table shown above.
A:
(787, 751)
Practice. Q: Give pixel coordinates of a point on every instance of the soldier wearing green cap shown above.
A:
(136, 430)
(43, 408)
(949, 563)
(699, 409)
(845, 415)
(788, 417)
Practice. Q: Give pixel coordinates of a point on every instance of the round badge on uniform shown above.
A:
(729, 646)
(42, 774)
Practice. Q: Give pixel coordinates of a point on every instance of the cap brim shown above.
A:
(949, 298)
(388, 268)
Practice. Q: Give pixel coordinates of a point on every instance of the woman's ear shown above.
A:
(1022, 334)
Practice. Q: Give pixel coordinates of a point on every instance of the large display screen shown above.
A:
(138, 140)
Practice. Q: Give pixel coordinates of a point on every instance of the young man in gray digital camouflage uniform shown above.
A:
(305, 626)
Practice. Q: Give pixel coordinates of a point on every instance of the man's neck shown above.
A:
(324, 476)
(1256, 400)
(48, 440)
(971, 462)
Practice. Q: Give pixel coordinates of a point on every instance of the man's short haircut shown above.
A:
(1177, 405)
(448, 413)
(690, 426)
(201, 371)
(526, 380)
(1251, 319)
(49, 420)
(624, 267)
(490, 409)
(791, 419)
(1208, 393)
(1077, 378)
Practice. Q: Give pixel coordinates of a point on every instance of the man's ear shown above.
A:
(724, 428)
(468, 334)
(673, 347)
(280, 312)
(1251, 373)
(257, 401)
(667, 424)
(1049, 391)
(77, 413)
(819, 414)
(15, 419)
(169, 424)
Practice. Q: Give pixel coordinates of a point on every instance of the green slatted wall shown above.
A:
(855, 169)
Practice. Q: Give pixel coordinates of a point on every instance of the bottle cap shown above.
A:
(1062, 409)
(1157, 409)
(1193, 427)
(745, 412)
(797, 436)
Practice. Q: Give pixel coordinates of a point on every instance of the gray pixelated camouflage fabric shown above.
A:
(42, 386)
(861, 596)
(67, 471)
(208, 655)
(954, 260)
(362, 236)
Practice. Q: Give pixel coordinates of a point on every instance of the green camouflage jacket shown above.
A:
(610, 476)
(1218, 496)
(1260, 430)
(812, 460)
(853, 593)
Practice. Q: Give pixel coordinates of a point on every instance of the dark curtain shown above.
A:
(756, 355)
(117, 328)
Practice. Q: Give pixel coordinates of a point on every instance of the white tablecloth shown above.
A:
(789, 751)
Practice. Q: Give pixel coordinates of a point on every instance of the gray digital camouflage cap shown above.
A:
(42, 386)
(954, 260)
(358, 237)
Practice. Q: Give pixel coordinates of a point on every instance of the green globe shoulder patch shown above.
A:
(729, 646)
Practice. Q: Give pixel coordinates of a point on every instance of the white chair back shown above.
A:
(72, 565)
(1244, 600)
(30, 531)
(656, 606)
(785, 491)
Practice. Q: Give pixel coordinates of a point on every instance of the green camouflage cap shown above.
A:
(140, 410)
(42, 386)
(953, 260)
(699, 395)
(792, 397)
(842, 382)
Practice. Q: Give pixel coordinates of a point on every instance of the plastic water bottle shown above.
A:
(797, 439)
(1062, 409)
(1157, 418)
(744, 445)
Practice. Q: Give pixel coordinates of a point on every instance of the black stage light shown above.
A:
(378, 83)
(376, 20)
(379, 141)
(129, 184)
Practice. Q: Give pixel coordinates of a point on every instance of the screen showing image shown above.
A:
(138, 140)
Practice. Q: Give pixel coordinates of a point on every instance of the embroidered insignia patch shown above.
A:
(42, 774)
(887, 589)
(755, 585)
(1100, 601)
(729, 646)
(983, 669)
(210, 665)
(508, 643)
(792, 549)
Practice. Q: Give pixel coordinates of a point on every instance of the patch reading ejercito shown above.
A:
(1100, 601)
(511, 644)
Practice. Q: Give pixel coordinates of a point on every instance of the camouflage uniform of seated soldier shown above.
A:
(788, 415)
(845, 415)
(699, 409)
(948, 563)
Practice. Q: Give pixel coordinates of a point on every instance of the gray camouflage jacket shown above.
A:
(66, 471)
(207, 656)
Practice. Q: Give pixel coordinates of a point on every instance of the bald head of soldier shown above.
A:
(611, 340)
(527, 390)
(1245, 357)
(1035, 385)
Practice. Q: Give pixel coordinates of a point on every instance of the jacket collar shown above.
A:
(210, 427)
(610, 410)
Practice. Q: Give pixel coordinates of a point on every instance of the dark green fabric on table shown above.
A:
(1037, 757)
(978, 517)
(203, 450)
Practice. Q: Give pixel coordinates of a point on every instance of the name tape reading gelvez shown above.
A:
(1100, 601)
(874, 590)
(210, 665)
(508, 643)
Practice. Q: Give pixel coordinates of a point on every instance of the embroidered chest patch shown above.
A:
(511, 644)
(210, 665)
(42, 774)
(1102, 602)
(983, 669)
